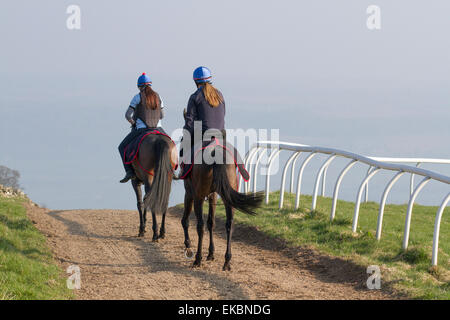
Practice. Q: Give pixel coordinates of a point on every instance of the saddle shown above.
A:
(131, 150)
(207, 147)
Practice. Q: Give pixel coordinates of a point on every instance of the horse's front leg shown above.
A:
(140, 206)
(211, 222)
(198, 208)
(145, 217)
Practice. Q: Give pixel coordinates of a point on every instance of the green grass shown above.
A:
(27, 268)
(407, 272)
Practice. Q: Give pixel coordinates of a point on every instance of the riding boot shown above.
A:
(130, 175)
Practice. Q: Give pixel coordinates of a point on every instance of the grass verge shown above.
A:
(407, 272)
(27, 268)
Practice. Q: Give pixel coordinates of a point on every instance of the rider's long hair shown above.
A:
(150, 98)
(212, 95)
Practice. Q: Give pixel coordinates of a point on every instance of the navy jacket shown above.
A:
(199, 109)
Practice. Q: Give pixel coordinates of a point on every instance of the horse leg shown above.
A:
(140, 205)
(229, 228)
(145, 218)
(147, 189)
(188, 202)
(154, 221)
(211, 222)
(162, 231)
(198, 208)
(154, 227)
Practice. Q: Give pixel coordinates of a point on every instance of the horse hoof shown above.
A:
(161, 236)
(210, 257)
(141, 234)
(196, 264)
(155, 240)
(226, 267)
(188, 253)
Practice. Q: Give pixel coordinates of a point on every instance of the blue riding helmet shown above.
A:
(143, 80)
(202, 75)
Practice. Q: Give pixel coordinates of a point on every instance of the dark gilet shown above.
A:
(149, 116)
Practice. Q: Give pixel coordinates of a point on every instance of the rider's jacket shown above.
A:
(199, 109)
(150, 117)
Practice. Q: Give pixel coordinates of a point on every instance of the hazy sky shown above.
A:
(310, 68)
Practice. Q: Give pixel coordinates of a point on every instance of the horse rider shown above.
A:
(207, 105)
(144, 113)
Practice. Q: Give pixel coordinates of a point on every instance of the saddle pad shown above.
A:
(186, 168)
(131, 151)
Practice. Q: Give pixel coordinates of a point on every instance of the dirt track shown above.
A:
(116, 264)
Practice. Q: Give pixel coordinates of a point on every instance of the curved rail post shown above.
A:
(383, 202)
(409, 212)
(246, 161)
(255, 169)
(248, 167)
(257, 156)
(293, 172)
(299, 178)
(273, 154)
(366, 195)
(319, 175)
(358, 197)
(269, 166)
(336, 187)
(283, 179)
(247, 155)
(411, 181)
(437, 226)
(324, 179)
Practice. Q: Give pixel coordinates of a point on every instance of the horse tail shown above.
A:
(157, 200)
(246, 203)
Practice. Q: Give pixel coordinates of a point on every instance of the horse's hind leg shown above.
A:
(211, 222)
(162, 230)
(188, 202)
(229, 229)
(198, 208)
(140, 206)
(154, 221)
(155, 227)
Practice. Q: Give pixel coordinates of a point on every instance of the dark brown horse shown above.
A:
(205, 181)
(154, 169)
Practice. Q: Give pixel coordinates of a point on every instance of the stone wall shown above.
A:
(11, 192)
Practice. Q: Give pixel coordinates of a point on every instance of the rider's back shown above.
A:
(211, 117)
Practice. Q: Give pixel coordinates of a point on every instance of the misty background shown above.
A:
(309, 68)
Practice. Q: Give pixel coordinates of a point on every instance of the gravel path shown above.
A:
(116, 264)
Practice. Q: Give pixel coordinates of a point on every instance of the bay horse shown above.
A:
(205, 181)
(154, 166)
